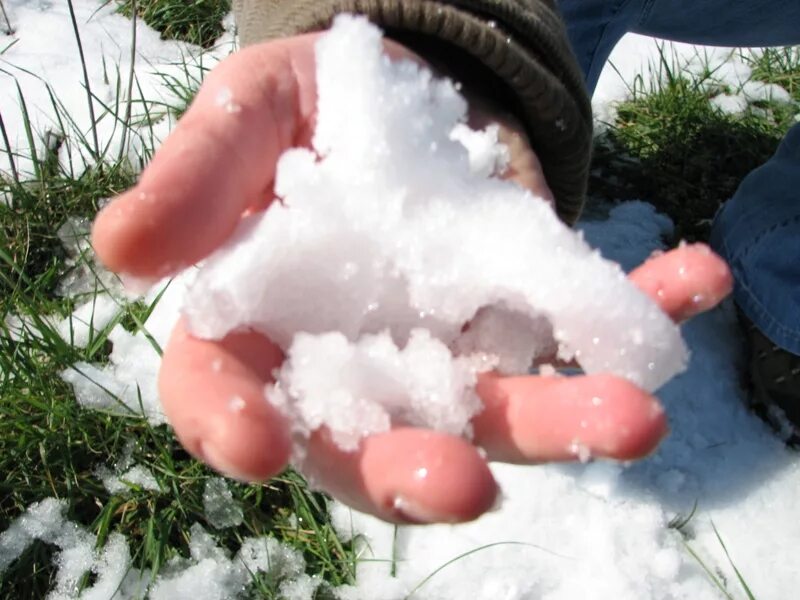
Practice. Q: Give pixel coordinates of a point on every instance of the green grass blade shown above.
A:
(711, 575)
(26, 122)
(88, 86)
(9, 153)
(743, 583)
(474, 551)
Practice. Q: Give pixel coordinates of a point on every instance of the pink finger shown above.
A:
(219, 161)
(685, 281)
(405, 476)
(545, 419)
(213, 396)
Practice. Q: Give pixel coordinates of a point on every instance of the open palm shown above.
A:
(219, 164)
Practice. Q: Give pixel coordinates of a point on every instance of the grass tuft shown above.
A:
(194, 21)
(670, 145)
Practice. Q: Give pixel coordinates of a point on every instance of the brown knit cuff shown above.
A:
(523, 44)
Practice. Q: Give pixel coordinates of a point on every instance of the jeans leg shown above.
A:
(748, 23)
(594, 28)
(758, 233)
(758, 230)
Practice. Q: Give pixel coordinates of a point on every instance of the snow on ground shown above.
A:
(42, 51)
(210, 573)
(581, 531)
(728, 74)
(601, 530)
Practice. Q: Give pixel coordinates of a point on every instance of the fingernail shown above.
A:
(411, 512)
(211, 455)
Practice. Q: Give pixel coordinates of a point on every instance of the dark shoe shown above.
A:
(775, 379)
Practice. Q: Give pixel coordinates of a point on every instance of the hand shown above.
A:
(213, 391)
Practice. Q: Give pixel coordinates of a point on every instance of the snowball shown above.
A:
(391, 228)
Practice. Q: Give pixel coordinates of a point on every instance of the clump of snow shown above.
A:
(209, 574)
(730, 104)
(136, 476)
(364, 387)
(756, 91)
(220, 508)
(42, 520)
(391, 234)
(76, 556)
(128, 383)
(88, 320)
(212, 575)
(124, 474)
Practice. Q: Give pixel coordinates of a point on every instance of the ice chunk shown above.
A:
(220, 508)
(391, 226)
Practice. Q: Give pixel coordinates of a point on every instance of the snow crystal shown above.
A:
(220, 508)
(390, 229)
(335, 380)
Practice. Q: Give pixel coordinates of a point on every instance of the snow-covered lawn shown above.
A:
(599, 530)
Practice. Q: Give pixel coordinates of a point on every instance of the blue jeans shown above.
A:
(758, 230)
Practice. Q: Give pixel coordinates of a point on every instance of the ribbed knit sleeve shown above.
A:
(518, 50)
